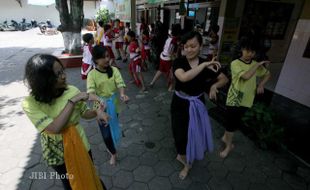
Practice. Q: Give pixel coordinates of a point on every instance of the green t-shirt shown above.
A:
(99, 83)
(242, 92)
(42, 114)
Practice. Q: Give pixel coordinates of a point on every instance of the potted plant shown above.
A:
(260, 120)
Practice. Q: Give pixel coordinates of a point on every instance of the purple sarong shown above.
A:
(199, 137)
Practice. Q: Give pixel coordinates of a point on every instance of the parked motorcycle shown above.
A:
(15, 24)
(9, 27)
(34, 23)
(23, 25)
(47, 28)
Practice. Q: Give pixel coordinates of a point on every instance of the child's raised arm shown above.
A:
(250, 73)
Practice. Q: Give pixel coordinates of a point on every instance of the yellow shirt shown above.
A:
(100, 84)
(242, 92)
(42, 114)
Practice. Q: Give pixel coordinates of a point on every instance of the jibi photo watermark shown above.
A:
(50, 175)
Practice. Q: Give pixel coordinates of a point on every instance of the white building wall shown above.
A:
(10, 9)
(294, 80)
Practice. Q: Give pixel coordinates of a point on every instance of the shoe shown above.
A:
(125, 60)
(119, 58)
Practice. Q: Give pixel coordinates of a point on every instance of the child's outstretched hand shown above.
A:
(265, 63)
(102, 117)
(124, 98)
(260, 89)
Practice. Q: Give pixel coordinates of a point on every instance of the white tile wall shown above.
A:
(294, 80)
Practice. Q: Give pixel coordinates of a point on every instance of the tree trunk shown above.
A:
(71, 24)
(72, 42)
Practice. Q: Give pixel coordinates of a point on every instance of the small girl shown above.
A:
(167, 56)
(87, 64)
(119, 40)
(99, 34)
(242, 90)
(108, 38)
(135, 61)
(145, 50)
(105, 81)
(126, 41)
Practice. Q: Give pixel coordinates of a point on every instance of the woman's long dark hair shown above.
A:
(99, 52)
(41, 78)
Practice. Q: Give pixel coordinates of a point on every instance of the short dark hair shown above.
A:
(41, 78)
(215, 28)
(248, 43)
(117, 20)
(100, 23)
(131, 34)
(99, 52)
(191, 35)
(107, 27)
(87, 37)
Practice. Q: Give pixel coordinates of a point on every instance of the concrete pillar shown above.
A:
(133, 15)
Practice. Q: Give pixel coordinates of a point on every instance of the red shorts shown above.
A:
(135, 66)
(119, 45)
(84, 68)
(110, 52)
(165, 66)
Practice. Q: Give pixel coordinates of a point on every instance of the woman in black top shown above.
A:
(190, 122)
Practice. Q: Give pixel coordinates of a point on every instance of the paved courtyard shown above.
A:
(146, 156)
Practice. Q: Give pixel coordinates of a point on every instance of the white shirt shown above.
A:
(168, 50)
(87, 56)
(106, 41)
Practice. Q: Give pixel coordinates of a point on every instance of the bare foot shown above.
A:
(113, 160)
(179, 158)
(184, 172)
(226, 151)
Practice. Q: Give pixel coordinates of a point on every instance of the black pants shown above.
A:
(234, 118)
(107, 137)
(62, 171)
